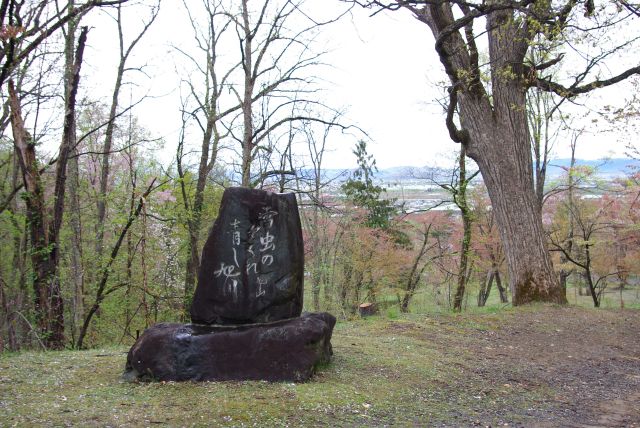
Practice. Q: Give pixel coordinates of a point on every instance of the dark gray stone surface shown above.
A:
(286, 350)
(252, 266)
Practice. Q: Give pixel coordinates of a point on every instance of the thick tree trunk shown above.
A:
(509, 181)
(501, 147)
(47, 299)
(495, 131)
(505, 162)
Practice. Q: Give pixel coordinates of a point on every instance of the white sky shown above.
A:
(383, 69)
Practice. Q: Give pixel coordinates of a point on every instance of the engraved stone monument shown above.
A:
(246, 308)
(253, 262)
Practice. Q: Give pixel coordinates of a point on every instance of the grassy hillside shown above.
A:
(540, 364)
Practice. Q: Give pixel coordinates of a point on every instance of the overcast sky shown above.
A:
(384, 71)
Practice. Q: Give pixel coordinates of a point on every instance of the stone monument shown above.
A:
(246, 322)
(252, 265)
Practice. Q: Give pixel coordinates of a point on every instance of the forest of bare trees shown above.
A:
(100, 233)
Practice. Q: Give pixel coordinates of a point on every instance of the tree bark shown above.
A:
(106, 161)
(247, 101)
(495, 132)
(505, 166)
(460, 198)
(485, 289)
(40, 251)
(501, 148)
(589, 276)
(501, 289)
(44, 231)
(77, 271)
(9, 320)
(19, 272)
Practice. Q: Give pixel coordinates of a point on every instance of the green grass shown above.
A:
(383, 372)
(389, 369)
(612, 297)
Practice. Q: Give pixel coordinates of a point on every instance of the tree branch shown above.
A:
(574, 90)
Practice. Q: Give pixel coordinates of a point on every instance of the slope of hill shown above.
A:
(532, 366)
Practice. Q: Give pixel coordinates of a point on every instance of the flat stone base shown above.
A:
(286, 350)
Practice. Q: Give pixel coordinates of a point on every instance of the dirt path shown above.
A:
(587, 362)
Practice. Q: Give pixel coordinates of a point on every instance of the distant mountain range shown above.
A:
(605, 168)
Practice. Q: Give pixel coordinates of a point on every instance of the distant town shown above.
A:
(418, 189)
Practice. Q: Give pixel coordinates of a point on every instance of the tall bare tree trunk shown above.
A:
(415, 274)
(106, 159)
(210, 142)
(207, 108)
(77, 271)
(124, 53)
(500, 145)
(45, 252)
(564, 272)
(503, 153)
(247, 101)
(19, 272)
(460, 198)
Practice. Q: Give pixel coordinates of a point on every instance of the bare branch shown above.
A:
(572, 91)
